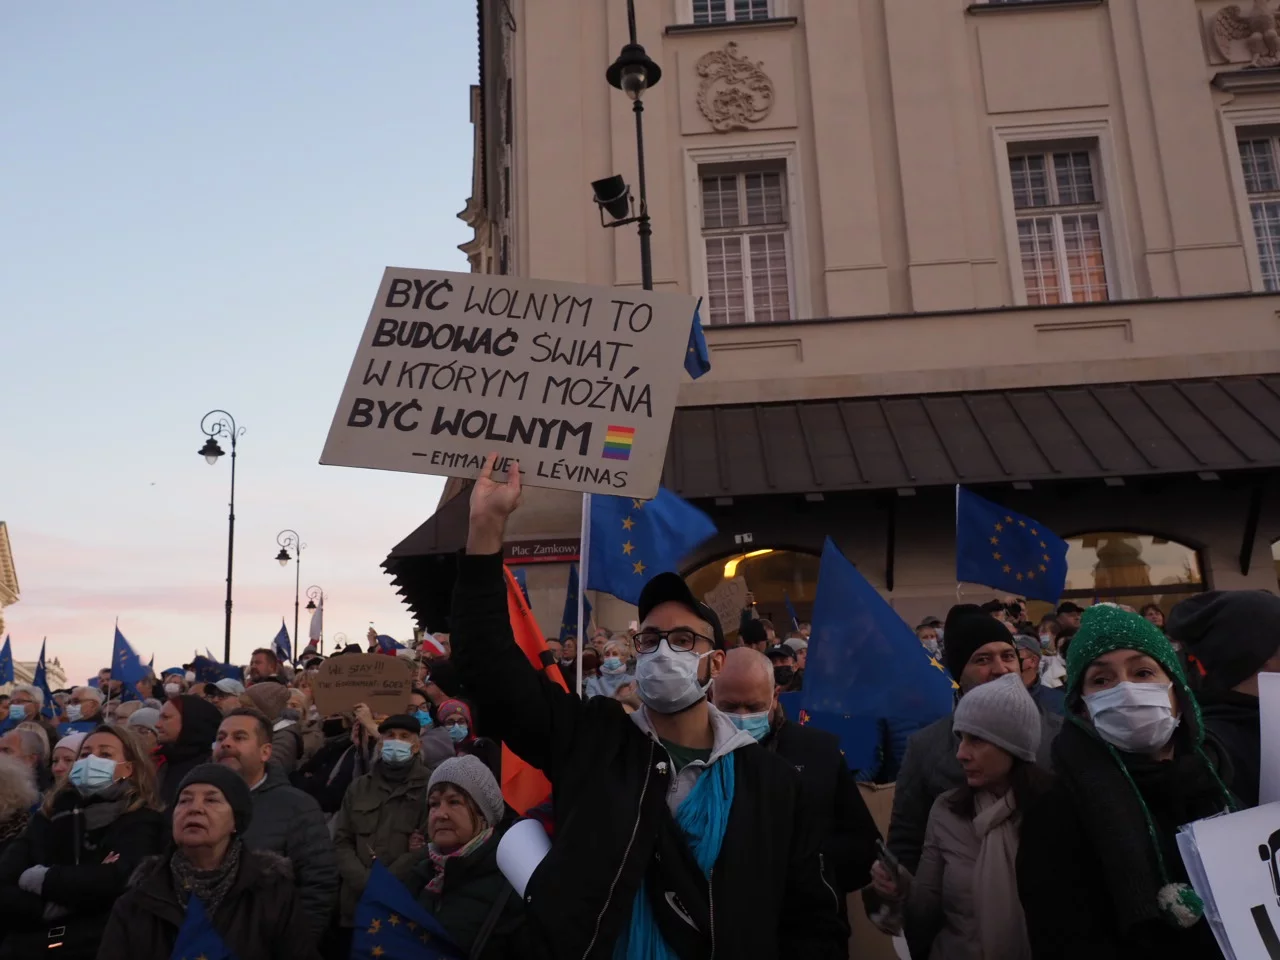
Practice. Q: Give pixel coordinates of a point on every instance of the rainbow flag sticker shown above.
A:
(617, 443)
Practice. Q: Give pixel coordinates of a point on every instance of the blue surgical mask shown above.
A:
(73, 712)
(458, 732)
(756, 724)
(613, 665)
(92, 775)
(396, 752)
(424, 717)
(17, 712)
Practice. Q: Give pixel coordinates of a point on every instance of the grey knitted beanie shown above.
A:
(1003, 713)
(469, 774)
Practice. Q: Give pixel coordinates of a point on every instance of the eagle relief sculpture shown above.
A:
(1256, 26)
(735, 92)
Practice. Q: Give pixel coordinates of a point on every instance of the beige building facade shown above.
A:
(1032, 247)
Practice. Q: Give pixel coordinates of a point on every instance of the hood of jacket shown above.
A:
(728, 738)
(200, 722)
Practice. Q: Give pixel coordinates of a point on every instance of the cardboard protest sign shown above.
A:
(577, 382)
(727, 599)
(382, 682)
(1234, 864)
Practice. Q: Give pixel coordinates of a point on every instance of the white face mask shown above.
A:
(1133, 717)
(667, 680)
(172, 689)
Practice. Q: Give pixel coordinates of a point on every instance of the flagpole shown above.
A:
(584, 564)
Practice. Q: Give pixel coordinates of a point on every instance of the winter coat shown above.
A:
(378, 814)
(472, 887)
(1049, 699)
(929, 770)
(286, 745)
(330, 771)
(200, 721)
(604, 685)
(839, 813)
(614, 784)
(1085, 848)
(260, 918)
(88, 870)
(289, 822)
(1233, 724)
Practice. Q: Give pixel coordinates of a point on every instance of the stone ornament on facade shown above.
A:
(1246, 33)
(735, 92)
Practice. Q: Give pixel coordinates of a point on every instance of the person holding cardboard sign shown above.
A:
(708, 820)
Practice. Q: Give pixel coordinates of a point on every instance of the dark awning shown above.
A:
(424, 564)
(1055, 433)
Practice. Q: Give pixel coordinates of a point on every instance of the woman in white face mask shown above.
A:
(60, 878)
(1099, 872)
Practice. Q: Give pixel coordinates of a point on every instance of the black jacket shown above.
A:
(1233, 724)
(768, 895)
(260, 918)
(200, 721)
(88, 870)
(472, 887)
(289, 822)
(840, 815)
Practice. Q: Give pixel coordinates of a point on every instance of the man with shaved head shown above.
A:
(744, 691)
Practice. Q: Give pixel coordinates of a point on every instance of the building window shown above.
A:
(1059, 218)
(1258, 160)
(727, 11)
(776, 579)
(746, 239)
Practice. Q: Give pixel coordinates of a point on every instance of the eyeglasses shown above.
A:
(680, 639)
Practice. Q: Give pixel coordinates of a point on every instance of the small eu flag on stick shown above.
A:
(1005, 550)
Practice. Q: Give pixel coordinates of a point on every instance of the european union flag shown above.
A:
(633, 540)
(126, 666)
(6, 662)
(865, 664)
(569, 620)
(41, 682)
(197, 938)
(283, 648)
(1004, 550)
(209, 670)
(697, 360)
(791, 610)
(521, 576)
(391, 925)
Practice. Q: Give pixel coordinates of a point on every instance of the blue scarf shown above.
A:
(702, 818)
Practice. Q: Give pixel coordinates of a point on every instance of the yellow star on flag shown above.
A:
(994, 541)
(1035, 532)
(1018, 575)
(1007, 568)
(412, 925)
(628, 523)
(637, 567)
(377, 951)
(1046, 557)
(375, 925)
(1043, 545)
(1022, 523)
(393, 920)
(996, 556)
(1031, 574)
(1008, 519)
(637, 504)
(999, 527)
(1043, 568)
(628, 547)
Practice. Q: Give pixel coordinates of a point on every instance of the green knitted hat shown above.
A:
(1104, 628)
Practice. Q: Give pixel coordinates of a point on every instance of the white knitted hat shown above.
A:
(470, 775)
(1003, 713)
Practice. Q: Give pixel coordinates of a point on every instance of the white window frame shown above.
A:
(777, 8)
(1235, 124)
(797, 241)
(1116, 252)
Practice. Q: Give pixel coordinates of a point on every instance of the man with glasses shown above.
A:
(25, 702)
(225, 694)
(702, 820)
(83, 711)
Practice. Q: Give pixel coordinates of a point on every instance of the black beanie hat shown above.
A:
(964, 633)
(232, 787)
(1231, 632)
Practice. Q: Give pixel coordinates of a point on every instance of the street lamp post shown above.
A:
(316, 595)
(214, 424)
(289, 540)
(633, 73)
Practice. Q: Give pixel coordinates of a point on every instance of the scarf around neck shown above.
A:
(211, 886)
(440, 860)
(1002, 928)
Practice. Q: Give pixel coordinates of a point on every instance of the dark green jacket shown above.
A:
(472, 885)
(378, 814)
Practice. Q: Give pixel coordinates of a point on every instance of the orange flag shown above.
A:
(524, 786)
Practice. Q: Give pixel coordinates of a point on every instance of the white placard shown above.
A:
(520, 851)
(578, 382)
(1234, 864)
(727, 599)
(1269, 706)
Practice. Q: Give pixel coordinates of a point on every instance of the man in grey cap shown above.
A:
(225, 695)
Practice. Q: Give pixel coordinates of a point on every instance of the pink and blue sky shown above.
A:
(198, 203)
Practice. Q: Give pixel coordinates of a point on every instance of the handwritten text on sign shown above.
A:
(579, 383)
(382, 682)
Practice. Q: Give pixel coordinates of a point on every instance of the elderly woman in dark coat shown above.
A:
(248, 895)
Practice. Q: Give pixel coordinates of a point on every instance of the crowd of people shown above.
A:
(689, 815)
